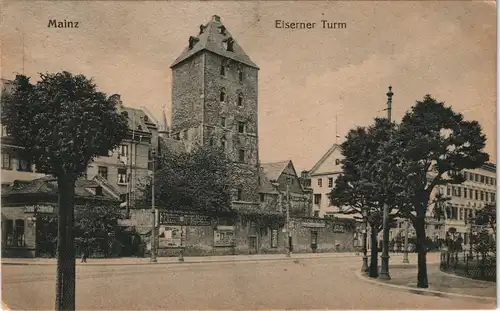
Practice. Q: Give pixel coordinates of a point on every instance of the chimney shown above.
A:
(216, 18)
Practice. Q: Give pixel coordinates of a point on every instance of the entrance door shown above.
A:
(252, 244)
(314, 240)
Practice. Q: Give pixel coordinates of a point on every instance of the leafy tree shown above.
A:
(487, 216)
(199, 180)
(434, 145)
(363, 189)
(63, 123)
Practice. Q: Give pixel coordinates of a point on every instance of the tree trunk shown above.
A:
(373, 273)
(65, 284)
(422, 262)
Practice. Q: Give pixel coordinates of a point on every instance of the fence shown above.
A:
(475, 265)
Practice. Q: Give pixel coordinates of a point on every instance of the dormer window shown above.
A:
(337, 162)
(240, 100)
(222, 95)
(192, 42)
(222, 30)
(229, 45)
(202, 29)
(146, 119)
(240, 75)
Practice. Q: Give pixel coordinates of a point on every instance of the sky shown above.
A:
(308, 78)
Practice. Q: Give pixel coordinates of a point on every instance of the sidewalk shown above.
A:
(440, 283)
(174, 260)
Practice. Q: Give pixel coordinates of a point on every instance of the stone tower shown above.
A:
(215, 101)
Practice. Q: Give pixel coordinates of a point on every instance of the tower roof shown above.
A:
(211, 38)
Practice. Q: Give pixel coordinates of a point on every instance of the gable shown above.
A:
(330, 163)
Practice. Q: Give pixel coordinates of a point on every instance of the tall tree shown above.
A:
(431, 148)
(363, 189)
(63, 123)
(199, 180)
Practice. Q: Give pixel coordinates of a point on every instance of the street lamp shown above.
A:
(153, 210)
(276, 184)
(405, 254)
(364, 267)
(181, 253)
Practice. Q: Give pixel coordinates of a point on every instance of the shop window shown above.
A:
(14, 232)
(223, 237)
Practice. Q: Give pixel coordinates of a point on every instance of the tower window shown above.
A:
(222, 69)
(241, 127)
(223, 122)
(229, 45)
(240, 194)
(223, 143)
(241, 155)
(240, 100)
(222, 30)
(222, 95)
(240, 75)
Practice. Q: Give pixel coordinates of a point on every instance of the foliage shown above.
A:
(62, 122)
(432, 141)
(361, 188)
(97, 221)
(199, 180)
(487, 216)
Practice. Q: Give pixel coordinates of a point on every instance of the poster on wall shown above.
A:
(274, 238)
(170, 236)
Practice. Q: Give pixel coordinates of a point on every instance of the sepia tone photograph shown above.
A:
(248, 155)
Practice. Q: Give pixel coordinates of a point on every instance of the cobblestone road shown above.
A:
(323, 283)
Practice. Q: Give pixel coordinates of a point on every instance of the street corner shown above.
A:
(413, 289)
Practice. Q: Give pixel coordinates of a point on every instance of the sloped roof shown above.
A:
(212, 40)
(48, 185)
(324, 157)
(265, 184)
(136, 119)
(274, 170)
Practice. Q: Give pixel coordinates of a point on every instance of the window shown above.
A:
(103, 172)
(223, 143)
(320, 182)
(211, 141)
(476, 177)
(477, 194)
(223, 121)
(123, 150)
(492, 197)
(317, 199)
(229, 45)
(459, 192)
(330, 182)
(482, 196)
(470, 194)
(222, 95)
(98, 191)
(448, 191)
(241, 155)
(123, 197)
(486, 196)
(461, 216)
(337, 161)
(240, 100)
(465, 193)
(4, 130)
(239, 194)
(482, 179)
(223, 238)
(122, 176)
(241, 127)
(316, 213)
(486, 180)
(14, 232)
(222, 69)
(6, 161)
(23, 165)
(262, 197)
(240, 75)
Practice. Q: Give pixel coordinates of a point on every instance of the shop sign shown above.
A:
(45, 209)
(313, 225)
(339, 228)
(179, 218)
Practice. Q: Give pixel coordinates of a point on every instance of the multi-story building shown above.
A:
(322, 178)
(124, 169)
(214, 102)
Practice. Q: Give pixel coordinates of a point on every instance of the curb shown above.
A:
(465, 278)
(176, 262)
(426, 292)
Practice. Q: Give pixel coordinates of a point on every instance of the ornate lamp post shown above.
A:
(364, 267)
(153, 211)
(384, 271)
(405, 254)
(181, 253)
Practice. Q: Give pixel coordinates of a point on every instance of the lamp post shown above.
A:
(384, 271)
(405, 251)
(181, 253)
(364, 267)
(153, 210)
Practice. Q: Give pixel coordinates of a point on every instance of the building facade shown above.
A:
(322, 178)
(215, 102)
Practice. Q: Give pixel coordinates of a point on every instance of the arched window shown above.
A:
(223, 142)
(240, 100)
(222, 95)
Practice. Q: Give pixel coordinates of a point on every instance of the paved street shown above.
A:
(317, 283)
